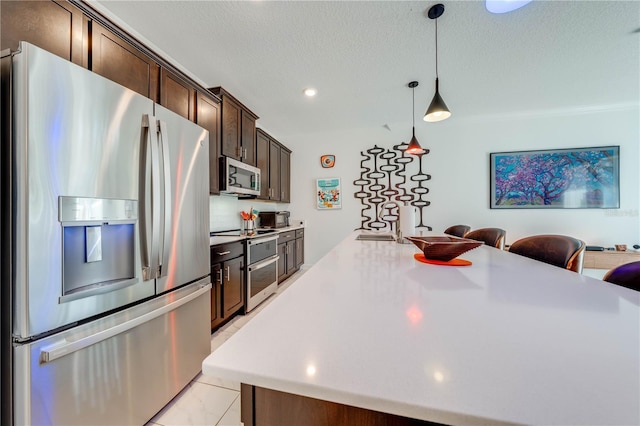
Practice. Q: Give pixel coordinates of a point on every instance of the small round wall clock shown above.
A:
(328, 161)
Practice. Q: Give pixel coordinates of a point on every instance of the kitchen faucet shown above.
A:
(399, 238)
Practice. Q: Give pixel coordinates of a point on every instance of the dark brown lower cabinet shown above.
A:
(299, 248)
(291, 252)
(261, 406)
(227, 280)
(287, 253)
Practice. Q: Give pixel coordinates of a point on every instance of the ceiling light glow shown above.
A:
(310, 92)
(504, 6)
(311, 370)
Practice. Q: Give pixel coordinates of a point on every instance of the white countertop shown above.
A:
(507, 339)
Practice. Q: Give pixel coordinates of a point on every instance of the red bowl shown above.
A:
(444, 248)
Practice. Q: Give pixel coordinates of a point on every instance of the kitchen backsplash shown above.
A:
(224, 211)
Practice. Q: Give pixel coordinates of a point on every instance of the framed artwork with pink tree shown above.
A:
(582, 178)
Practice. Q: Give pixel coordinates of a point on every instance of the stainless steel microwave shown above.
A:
(237, 177)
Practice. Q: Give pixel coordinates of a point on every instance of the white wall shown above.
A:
(224, 211)
(459, 165)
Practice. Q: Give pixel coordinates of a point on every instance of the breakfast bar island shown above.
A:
(369, 335)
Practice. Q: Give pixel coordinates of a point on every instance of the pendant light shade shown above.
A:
(414, 146)
(438, 109)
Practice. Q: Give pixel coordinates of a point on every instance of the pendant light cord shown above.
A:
(436, 47)
(413, 116)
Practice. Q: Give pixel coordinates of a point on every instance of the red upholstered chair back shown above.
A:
(493, 237)
(457, 230)
(627, 275)
(559, 250)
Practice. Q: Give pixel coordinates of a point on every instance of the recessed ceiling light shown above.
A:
(504, 6)
(310, 92)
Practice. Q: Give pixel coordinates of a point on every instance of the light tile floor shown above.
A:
(207, 400)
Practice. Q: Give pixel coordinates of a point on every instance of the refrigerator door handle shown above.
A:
(163, 144)
(56, 351)
(149, 202)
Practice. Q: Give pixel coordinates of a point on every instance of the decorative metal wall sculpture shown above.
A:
(387, 176)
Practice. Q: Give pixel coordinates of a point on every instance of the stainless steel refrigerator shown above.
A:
(107, 259)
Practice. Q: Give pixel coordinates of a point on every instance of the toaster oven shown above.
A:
(274, 219)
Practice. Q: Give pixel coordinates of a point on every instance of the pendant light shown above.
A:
(414, 147)
(437, 110)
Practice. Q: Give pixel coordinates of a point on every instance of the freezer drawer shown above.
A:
(119, 370)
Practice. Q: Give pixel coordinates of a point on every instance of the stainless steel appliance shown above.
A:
(274, 219)
(262, 269)
(239, 178)
(261, 251)
(109, 255)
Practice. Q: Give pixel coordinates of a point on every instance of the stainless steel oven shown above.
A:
(262, 269)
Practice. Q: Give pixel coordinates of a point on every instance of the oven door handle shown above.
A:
(264, 263)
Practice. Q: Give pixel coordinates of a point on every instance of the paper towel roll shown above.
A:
(407, 220)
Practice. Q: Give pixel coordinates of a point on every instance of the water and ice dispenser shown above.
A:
(98, 245)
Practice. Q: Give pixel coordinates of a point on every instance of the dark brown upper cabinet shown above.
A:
(177, 95)
(263, 144)
(248, 139)
(56, 26)
(285, 174)
(230, 144)
(273, 159)
(274, 170)
(238, 132)
(208, 117)
(114, 58)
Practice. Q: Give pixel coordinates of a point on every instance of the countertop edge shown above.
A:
(224, 239)
(340, 397)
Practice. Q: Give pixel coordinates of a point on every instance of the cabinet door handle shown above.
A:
(246, 153)
(239, 152)
(282, 195)
(223, 253)
(220, 276)
(228, 274)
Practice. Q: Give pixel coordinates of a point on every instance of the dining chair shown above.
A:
(627, 275)
(493, 237)
(457, 230)
(558, 250)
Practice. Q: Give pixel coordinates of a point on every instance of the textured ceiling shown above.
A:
(549, 57)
